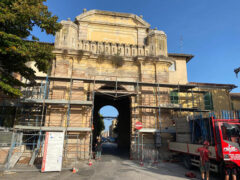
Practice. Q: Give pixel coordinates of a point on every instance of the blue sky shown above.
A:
(210, 30)
(108, 111)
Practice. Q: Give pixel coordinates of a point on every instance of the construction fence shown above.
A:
(27, 149)
(144, 149)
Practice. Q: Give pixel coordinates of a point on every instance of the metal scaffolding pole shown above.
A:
(68, 111)
(91, 123)
(159, 108)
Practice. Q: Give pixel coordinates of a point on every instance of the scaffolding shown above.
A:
(32, 112)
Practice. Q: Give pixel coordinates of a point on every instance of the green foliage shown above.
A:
(101, 57)
(117, 60)
(17, 19)
(99, 125)
(150, 59)
(80, 54)
(7, 116)
(136, 61)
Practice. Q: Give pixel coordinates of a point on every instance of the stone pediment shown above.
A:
(112, 18)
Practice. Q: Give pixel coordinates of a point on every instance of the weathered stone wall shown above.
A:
(76, 146)
(85, 48)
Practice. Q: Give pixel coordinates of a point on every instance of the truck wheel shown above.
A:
(187, 162)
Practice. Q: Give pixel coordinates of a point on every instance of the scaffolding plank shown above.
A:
(154, 130)
(118, 92)
(149, 130)
(9, 103)
(46, 128)
(14, 159)
(57, 101)
(34, 155)
(119, 82)
(194, 109)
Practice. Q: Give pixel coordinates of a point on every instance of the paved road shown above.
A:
(114, 165)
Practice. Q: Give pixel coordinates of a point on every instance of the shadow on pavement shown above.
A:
(112, 150)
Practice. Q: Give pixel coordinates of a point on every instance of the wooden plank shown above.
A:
(17, 153)
(183, 138)
(57, 101)
(67, 79)
(14, 159)
(45, 128)
(179, 147)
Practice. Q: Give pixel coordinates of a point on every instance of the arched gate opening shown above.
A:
(123, 127)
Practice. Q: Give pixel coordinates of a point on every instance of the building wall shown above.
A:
(179, 74)
(235, 97)
(96, 38)
(112, 127)
(87, 49)
(221, 99)
(236, 104)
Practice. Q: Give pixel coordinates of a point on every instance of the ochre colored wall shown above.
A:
(105, 33)
(221, 99)
(236, 104)
(180, 74)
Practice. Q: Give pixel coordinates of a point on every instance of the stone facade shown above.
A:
(119, 55)
(84, 49)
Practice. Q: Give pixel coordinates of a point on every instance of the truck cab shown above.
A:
(228, 141)
(224, 148)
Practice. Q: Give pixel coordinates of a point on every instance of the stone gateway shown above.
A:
(110, 58)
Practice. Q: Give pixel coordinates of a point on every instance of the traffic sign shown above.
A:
(138, 125)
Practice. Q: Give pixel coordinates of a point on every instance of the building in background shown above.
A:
(235, 98)
(111, 129)
(105, 134)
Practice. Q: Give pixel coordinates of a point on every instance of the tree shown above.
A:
(99, 125)
(17, 19)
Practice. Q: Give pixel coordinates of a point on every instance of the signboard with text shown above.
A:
(53, 151)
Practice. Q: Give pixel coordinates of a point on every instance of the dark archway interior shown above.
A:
(123, 106)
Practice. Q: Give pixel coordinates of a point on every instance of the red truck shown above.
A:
(225, 148)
